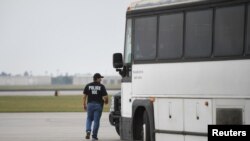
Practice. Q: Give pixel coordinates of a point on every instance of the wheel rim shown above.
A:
(144, 132)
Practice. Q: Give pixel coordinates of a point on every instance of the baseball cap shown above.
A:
(97, 75)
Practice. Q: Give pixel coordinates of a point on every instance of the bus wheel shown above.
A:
(145, 127)
(117, 128)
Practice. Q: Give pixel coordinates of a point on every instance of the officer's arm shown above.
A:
(105, 97)
(84, 101)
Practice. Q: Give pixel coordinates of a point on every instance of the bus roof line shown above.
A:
(148, 4)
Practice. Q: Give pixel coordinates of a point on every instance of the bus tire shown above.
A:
(142, 128)
(117, 128)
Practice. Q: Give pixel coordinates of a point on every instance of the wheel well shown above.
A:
(138, 121)
(143, 110)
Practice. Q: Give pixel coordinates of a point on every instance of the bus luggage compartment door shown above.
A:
(197, 115)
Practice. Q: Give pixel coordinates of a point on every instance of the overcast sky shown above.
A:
(61, 36)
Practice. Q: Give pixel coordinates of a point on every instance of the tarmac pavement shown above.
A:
(68, 126)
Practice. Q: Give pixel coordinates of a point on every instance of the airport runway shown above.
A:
(48, 93)
(51, 127)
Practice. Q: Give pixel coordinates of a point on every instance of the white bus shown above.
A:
(186, 65)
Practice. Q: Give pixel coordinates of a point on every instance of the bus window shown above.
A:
(198, 34)
(170, 36)
(127, 59)
(248, 32)
(145, 38)
(229, 31)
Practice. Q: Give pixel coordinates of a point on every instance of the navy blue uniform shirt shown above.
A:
(95, 91)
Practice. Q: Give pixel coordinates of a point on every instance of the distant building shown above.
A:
(107, 80)
(111, 80)
(82, 79)
(47, 80)
(25, 80)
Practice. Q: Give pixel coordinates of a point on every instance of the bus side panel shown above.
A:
(195, 138)
(193, 79)
(247, 112)
(169, 137)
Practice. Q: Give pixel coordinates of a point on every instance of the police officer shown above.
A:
(97, 95)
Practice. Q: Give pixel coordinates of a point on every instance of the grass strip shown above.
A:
(43, 104)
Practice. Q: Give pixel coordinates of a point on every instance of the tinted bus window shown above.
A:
(229, 31)
(198, 35)
(248, 32)
(170, 36)
(145, 38)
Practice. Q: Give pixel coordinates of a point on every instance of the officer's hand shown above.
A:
(106, 102)
(106, 99)
(85, 107)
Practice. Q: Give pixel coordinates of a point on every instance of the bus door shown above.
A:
(127, 81)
